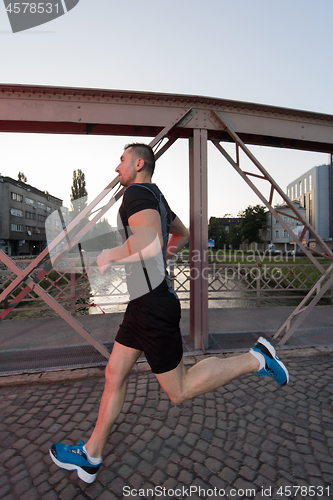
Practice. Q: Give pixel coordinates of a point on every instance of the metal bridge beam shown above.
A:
(63, 110)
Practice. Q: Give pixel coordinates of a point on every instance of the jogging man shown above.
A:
(151, 320)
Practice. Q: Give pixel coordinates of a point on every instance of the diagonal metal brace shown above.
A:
(35, 287)
(302, 310)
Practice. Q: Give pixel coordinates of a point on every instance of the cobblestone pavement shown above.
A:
(249, 435)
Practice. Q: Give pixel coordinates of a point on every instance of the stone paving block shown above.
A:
(4, 490)
(158, 477)
(227, 474)
(21, 487)
(185, 477)
(69, 492)
(213, 465)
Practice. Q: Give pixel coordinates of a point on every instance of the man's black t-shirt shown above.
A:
(150, 276)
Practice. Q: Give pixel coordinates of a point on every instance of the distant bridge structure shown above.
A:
(166, 118)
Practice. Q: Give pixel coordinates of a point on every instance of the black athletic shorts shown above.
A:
(151, 325)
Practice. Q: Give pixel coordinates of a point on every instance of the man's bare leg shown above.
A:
(121, 362)
(209, 374)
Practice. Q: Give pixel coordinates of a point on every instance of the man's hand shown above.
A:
(104, 261)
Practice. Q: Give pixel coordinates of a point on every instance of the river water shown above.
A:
(109, 294)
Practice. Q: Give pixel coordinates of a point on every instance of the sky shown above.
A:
(274, 52)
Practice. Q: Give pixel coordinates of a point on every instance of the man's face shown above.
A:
(126, 169)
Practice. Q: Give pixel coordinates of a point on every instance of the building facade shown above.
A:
(275, 237)
(314, 191)
(24, 212)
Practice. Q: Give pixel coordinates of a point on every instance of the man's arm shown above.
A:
(145, 242)
(179, 237)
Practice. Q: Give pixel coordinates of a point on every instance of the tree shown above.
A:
(22, 177)
(235, 235)
(217, 233)
(101, 236)
(78, 192)
(254, 220)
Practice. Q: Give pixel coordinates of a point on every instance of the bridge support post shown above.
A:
(198, 240)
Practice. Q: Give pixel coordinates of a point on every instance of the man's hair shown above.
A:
(145, 152)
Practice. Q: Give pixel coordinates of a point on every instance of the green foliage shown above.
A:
(100, 237)
(217, 233)
(254, 220)
(235, 235)
(78, 192)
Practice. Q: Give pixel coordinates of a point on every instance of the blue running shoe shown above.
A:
(75, 458)
(273, 365)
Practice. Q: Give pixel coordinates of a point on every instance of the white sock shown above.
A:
(92, 460)
(259, 357)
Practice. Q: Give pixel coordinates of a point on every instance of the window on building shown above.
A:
(17, 197)
(30, 229)
(285, 234)
(30, 215)
(310, 209)
(277, 233)
(305, 185)
(300, 188)
(310, 182)
(288, 193)
(292, 193)
(17, 228)
(31, 202)
(296, 191)
(48, 209)
(41, 218)
(304, 201)
(16, 212)
(41, 205)
(286, 219)
(276, 221)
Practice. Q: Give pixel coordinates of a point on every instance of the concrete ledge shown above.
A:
(62, 376)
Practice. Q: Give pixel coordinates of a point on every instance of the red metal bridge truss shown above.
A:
(166, 118)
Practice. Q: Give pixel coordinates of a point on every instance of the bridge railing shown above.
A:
(230, 284)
